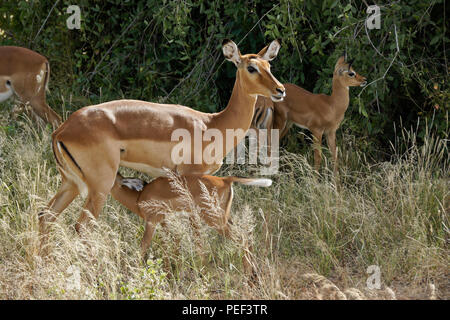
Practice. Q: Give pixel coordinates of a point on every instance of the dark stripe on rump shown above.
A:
(67, 151)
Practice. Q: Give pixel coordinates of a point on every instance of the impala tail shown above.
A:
(258, 182)
(47, 76)
(68, 166)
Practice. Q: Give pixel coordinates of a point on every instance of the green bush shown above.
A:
(169, 51)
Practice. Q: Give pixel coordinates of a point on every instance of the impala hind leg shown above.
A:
(98, 189)
(165, 248)
(26, 109)
(93, 205)
(150, 225)
(147, 239)
(222, 224)
(194, 222)
(66, 194)
(247, 258)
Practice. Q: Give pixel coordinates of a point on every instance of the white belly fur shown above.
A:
(152, 171)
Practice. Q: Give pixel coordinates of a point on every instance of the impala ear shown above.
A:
(231, 51)
(350, 64)
(341, 60)
(271, 51)
(339, 64)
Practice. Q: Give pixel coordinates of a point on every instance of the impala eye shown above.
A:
(351, 74)
(251, 69)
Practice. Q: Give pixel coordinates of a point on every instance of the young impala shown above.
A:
(145, 200)
(94, 141)
(319, 113)
(26, 73)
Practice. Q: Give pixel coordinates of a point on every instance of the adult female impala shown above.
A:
(26, 73)
(319, 113)
(94, 141)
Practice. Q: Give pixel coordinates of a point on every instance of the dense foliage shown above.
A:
(169, 51)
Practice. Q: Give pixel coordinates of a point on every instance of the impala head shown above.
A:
(345, 73)
(253, 70)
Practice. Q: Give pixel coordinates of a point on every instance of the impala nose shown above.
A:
(281, 92)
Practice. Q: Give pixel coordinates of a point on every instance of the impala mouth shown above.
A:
(278, 97)
(363, 84)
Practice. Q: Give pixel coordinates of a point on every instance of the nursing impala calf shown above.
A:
(145, 201)
(26, 73)
(94, 141)
(319, 113)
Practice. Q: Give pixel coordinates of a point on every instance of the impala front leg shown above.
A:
(17, 110)
(280, 121)
(317, 145)
(42, 109)
(331, 141)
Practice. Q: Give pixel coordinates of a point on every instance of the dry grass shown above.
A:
(312, 238)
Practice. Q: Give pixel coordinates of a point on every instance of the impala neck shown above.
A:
(238, 114)
(340, 95)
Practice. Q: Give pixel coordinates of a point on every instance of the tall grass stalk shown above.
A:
(313, 235)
